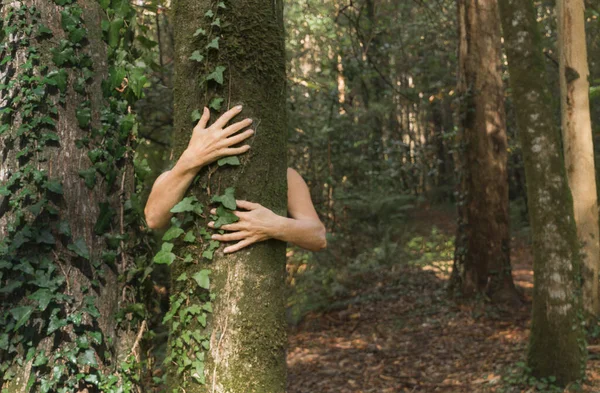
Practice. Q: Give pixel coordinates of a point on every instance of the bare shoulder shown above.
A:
(294, 178)
(299, 202)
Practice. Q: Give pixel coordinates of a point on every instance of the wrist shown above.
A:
(187, 166)
(279, 229)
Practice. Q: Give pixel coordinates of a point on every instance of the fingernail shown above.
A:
(226, 250)
(210, 224)
(213, 237)
(239, 107)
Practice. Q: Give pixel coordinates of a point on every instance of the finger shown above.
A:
(229, 237)
(228, 227)
(227, 116)
(247, 205)
(239, 137)
(232, 151)
(204, 119)
(238, 246)
(213, 211)
(235, 127)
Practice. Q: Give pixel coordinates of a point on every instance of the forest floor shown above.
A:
(401, 333)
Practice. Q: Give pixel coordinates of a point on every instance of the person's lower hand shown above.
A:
(210, 143)
(255, 225)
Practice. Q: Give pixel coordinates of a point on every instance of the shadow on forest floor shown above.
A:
(414, 338)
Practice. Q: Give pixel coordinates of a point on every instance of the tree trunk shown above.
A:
(577, 141)
(65, 172)
(243, 342)
(557, 342)
(482, 258)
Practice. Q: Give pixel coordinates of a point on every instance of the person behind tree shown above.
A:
(256, 223)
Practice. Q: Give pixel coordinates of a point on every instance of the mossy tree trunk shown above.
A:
(557, 343)
(65, 174)
(246, 331)
(482, 258)
(577, 141)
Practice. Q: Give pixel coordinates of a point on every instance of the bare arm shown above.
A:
(206, 145)
(258, 223)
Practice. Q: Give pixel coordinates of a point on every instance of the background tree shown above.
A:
(229, 53)
(577, 141)
(557, 344)
(482, 257)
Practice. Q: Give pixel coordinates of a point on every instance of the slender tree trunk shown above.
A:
(557, 342)
(62, 189)
(482, 261)
(577, 141)
(246, 332)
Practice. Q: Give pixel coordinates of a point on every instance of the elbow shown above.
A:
(151, 220)
(322, 239)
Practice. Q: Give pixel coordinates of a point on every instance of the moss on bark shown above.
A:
(247, 328)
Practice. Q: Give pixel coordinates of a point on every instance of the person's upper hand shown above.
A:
(255, 225)
(210, 143)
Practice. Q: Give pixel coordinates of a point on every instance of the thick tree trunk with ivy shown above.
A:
(557, 343)
(577, 141)
(228, 331)
(65, 172)
(482, 259)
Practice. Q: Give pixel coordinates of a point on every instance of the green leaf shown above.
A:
(202, 278)
(189, 237)
(54, 186)
(89, 176)
(216, 22)
(221, 5)
(80, 248)
(213, 44)
(216, 103)
(228, 198)
(208, 254)
(84, 115)
(200, 31)
(231, 160)
(197, 56)
(185, 205)
(217, 75)
(43, 296)
(88, 358)
(44, 30)
(114, 32)
(209, 14)
(21, 315)
(225, 217)
(182, 277)
(165, 256)
(172, 233)
(196, 115)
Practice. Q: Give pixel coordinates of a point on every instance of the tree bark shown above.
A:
(577, 142)
(247, 329)
(557, 341)
(482, 257)
(52, 246)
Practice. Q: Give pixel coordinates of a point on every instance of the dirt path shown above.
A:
(410, 338)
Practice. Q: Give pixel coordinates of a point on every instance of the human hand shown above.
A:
(209, 144)
(255, 225)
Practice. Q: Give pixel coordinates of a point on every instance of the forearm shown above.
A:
(167, 193)
(305, 233)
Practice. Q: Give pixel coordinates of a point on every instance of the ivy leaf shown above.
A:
(89, 176)
(105, 218)
(221, 5)
(208, 254)
(182, 277)
(217, 75)
(196, 56)
(79, 247)
(172, 233)
(5, 59)
(213, 44)
(231, 160)
(43, 296)
(200, 31)
(58, 79)
(196, 115)
(209, 14)
(84, 116)
(227, 199)
(189, 237)
(186, 205)
(88, 358)
(21, 315)
(76, 35)
(43, 30)
(225, 217)
(216, 22)
(202, 278)
(165, 256)
(54, 186)
(114, 32)
(215, 103)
